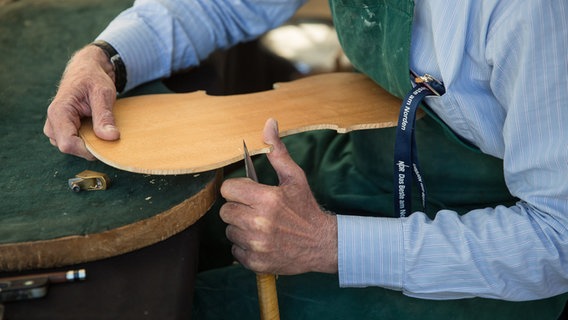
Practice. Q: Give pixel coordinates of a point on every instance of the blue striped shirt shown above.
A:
(505, 67)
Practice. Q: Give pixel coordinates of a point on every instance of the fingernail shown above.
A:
(109, 127)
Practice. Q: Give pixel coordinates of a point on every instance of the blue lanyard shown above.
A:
(406, 166)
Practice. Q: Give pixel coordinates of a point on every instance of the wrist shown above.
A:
(328, 245)
(118, 67)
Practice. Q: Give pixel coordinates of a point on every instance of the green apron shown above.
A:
(352, 174)
(376, 38)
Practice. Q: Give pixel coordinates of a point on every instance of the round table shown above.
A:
(42, 222)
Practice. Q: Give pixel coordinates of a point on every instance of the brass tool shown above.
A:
(89, 180)
(265, 283)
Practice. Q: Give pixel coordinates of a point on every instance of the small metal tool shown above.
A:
(249, 166)
(35, 285)
(89, 180)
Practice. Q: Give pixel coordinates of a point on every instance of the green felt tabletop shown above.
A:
(37, 38)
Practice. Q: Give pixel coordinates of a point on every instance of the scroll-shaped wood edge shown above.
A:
(84, 248)
(166, 133)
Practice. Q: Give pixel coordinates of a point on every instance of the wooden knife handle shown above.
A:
(267, 296)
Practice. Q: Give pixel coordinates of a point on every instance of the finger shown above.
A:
(65, 136)
(279, 158)
(48, 132)
(238, 252)
(246, 218)
(250, 260)
(102, 102)
(240, 255)
(242, 190)
(246, 240)
(233, 234)
(231, 213)
(76, 146)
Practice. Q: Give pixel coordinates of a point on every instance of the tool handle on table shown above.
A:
(267, 296)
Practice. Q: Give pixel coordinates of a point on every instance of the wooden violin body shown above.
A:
(193, 132)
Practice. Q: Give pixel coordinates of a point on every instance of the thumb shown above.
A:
(103, 119)
(279, 158)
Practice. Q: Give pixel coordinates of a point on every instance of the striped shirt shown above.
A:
(505, 67)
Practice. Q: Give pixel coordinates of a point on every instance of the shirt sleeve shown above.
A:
(512, 253)
(157, 37)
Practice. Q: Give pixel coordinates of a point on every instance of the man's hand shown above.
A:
(279, 230)
(86, 90)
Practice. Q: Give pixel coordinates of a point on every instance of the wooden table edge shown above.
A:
(84, 248)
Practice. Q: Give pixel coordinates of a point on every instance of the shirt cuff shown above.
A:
(370, 252)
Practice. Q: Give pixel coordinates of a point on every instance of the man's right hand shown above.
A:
(86, 90)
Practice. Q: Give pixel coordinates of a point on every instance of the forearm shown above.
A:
(502, 253)
(512, 253)
(157, 37)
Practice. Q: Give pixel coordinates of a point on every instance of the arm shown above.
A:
(512, 253)
(153, 39)
(515, 253)
(156, 37)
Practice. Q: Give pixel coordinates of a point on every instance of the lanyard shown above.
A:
(406, 166)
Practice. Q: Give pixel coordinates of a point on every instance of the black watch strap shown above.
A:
(117, 63)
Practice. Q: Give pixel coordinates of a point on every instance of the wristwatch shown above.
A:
(117, 64)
